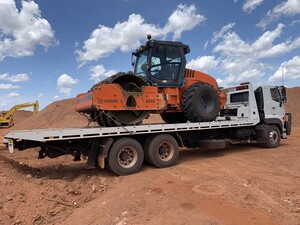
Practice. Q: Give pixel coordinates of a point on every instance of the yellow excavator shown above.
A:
(6, 119)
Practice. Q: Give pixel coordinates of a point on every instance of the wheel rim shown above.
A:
(206, 103)
(166, 151)
(127, 157)
(273, 137)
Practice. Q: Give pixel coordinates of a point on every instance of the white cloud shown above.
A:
(105, 40)
(250, 5)
(22, 30)
(14, 78)
(204, 63)
(98, 73)
(289, 69)
(40, 95)
(263, 47)
(56, 97)
(8, 86)
(182, 19)
(248, 75)
(13, 94)
(287, 8)
(127, 35)
(219, 34)
(220, 82)
(295, 22)
(205, 45)
(240, 60)
(65, 84)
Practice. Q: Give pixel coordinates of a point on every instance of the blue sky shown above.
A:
(52, 50)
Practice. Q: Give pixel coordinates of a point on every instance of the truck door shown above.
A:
(276, 103)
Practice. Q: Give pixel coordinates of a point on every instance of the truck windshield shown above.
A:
(141, 63)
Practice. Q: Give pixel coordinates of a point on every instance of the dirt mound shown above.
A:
(154, 118)
(21, 115)
(59, 114)
(293, 106)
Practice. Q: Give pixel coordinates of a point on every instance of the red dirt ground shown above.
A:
(238, 185)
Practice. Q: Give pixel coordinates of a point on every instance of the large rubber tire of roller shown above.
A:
(201, 103)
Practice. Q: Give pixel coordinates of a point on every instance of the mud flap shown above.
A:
(288, 124)
(260, 133)
(10, 144)
(90, 164)
(98, 152)
(103, 152)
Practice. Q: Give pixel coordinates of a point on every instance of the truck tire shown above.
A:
(162, 151)
(271, 136)
(173, 117)
(125, 157)
(201, 103)
(145, 147)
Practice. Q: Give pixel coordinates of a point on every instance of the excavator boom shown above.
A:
(6, 118)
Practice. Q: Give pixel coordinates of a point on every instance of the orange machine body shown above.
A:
(113, 97)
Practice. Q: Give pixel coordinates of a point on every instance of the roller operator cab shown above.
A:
(161, 63)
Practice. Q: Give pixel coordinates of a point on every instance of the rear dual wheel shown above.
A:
(125, 157)
(161, 150)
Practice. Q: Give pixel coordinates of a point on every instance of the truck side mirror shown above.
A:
(283, 94)
(132, 60)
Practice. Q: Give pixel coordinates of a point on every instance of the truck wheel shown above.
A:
(173, 117)
(145, 147)
(162, 151)
(201, 103)
(125, 157)
(271, 136)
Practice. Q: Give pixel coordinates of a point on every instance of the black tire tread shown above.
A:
(152, 151)
(189, 105)
(266, 132)
(113, 157)
(145, 147)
